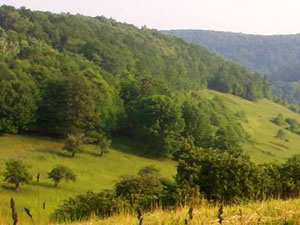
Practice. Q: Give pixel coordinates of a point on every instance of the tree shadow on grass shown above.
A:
(50, 186)
(8, 187)
(11, 188)
(280, 145)
(35, 136)
(46, 185)
(129, 146)
(55, 152)
(94, 154)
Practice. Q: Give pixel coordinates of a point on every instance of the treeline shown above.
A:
(70, 74)
(120, 49)
(274, 55)
(222, 177)
(289, 92)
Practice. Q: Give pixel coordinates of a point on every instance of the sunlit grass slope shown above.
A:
(265, 146)
(94, 173)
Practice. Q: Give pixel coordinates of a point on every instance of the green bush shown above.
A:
(142, 191)
(279, 120)
(84, 206)
(61, 173)
(16, 172)
(220, 176)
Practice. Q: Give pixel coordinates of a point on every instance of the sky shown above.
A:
(246, 16)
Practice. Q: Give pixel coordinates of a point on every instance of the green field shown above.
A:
(124, 158)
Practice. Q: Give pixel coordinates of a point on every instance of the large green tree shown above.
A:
(18, 100)
(197, 125)
(68, 107)
(158, 123)
(221, 176)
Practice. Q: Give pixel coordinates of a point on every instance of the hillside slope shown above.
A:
(277, 56)
(125, 158)
(94, 173)
(92, 77)
(262, 53)
(258, 115)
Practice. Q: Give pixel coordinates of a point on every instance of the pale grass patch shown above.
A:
(268, 212)
(273, 212)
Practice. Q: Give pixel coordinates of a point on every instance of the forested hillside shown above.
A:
(92, 99)
(277, 56)
(64, 74)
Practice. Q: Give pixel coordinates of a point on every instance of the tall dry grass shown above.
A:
(255, 213)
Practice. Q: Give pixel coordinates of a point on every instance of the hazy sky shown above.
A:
(247, 16)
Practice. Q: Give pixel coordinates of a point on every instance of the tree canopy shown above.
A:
(67, 74)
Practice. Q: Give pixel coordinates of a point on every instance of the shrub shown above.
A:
(290, 177)
(16, 173)
(220, 176)
(61, 173)
(279, 120)
(84, 206)
(281, 134)
(73, 144)
(142, 191)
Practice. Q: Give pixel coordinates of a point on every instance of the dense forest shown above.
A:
(277, 56)
(64, 74)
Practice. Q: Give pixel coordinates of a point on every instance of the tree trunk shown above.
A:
(73, 154)
(56, 183)
(17, 187)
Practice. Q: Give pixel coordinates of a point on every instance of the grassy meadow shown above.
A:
(264, 147)
(94, 173)
(125, 158)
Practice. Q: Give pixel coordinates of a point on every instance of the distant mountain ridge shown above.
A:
(266, 54)
(277, 56)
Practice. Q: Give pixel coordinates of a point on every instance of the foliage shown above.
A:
(211, 124)
(220, 176)
(290, 177)
(16, 173)
(84, 206)
(279, 120)
(142, 191)
(70, 103)
(103, 143)
(274, 56)
(268, 182)
(158, 123)
(294, 125)
(73, 144)
(68, 73)
(18, 101)
(232, 177)
(281, 134)
(59, 173)
(197, 124)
